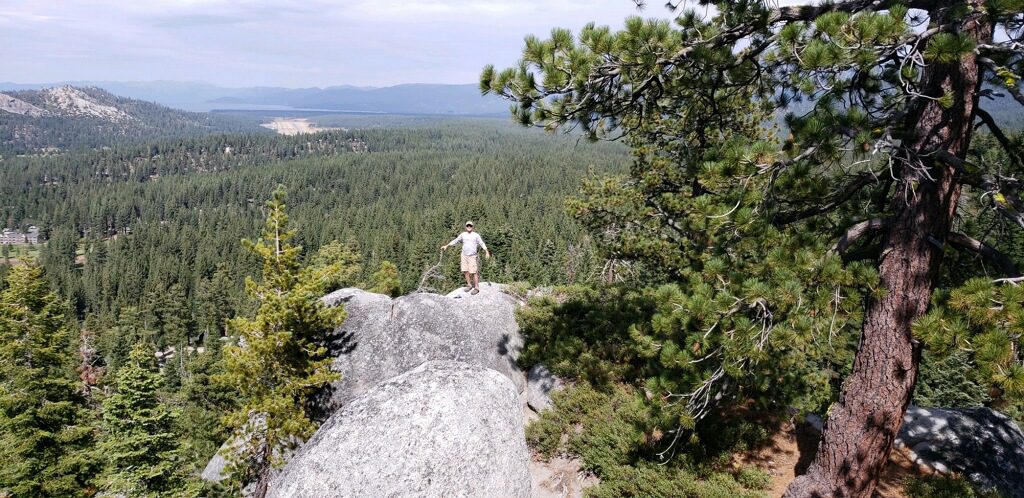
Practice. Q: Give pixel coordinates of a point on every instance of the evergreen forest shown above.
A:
(715, 228)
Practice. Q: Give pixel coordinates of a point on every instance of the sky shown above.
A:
(241, 43)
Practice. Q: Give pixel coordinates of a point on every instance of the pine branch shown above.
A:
(1001, 137)
(1003, 192)
(1012, 281)
(836, 199)
(856, 232)
(1003, 262)
(992, 66)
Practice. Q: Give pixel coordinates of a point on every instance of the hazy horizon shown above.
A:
(225, 87)
(281, 43)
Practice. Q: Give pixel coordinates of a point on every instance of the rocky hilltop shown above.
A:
(432, 403)
(12, 105)
(66, 116)
(64, 101)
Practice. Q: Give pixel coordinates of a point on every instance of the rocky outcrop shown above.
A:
(444, 428)
(540, 383)
(980, 443)
(431, 404)
(71, 101)
(18, 106)
(383, 337)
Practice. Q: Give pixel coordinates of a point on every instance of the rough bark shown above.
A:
(263, 477)
(864, 422)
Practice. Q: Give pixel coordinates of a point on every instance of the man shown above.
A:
(470, 263)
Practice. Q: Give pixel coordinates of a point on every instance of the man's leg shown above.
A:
(469, 281)
(476, 280)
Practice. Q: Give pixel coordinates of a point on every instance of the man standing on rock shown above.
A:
(470, 262)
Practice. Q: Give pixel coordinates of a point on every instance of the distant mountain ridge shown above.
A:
(71, 117)
(399, 99)
(436, 99)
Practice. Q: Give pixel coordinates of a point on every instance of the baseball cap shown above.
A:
(469, 223)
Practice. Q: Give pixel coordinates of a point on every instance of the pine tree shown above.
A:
(174, 317)
(116, 342)
(213, 303)
(386, 280)
(280, 358)
(142, 450)
(202, 402)
(45, 433)
(343, 256)
(861, 197)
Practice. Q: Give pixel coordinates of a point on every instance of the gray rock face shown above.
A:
(980, 443)
(444, 429)
(540, 382)
(383, 337)
(214, 470)
(18, 106)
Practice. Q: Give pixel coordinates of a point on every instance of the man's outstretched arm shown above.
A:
(453, 242)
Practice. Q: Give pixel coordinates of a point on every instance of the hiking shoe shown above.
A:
(475, 291)
(467, 289)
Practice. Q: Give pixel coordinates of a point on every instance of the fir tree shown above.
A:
(139, 443)
(280, 358)
(45, 433)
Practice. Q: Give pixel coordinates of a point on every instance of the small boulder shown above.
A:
(445, 428)
(540, 382)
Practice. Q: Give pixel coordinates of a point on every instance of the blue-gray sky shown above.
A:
(281, 42)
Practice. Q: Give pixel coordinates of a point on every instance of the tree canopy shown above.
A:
(802, 171)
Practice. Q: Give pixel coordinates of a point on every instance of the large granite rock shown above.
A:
(384, 337)
(444, 429)
(980, 443)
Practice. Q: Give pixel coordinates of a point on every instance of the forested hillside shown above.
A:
(68, 117)
(127, 224)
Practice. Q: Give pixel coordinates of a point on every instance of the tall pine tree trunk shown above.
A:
(864, 422)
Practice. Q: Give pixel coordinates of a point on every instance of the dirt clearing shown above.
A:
(294, 126)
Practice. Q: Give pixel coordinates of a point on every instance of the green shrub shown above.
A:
(614, 432)
(946, 486)
(754, 478)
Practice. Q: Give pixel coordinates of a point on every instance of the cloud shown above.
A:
(191, 20)
(296, 43)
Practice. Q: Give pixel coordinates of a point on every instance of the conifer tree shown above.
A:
(280, 358)
(861, 197)
(202, 402)
(45, 433)
(174, 317)
(214, 303)
(346, 257)
(386, 280)
(143, 452)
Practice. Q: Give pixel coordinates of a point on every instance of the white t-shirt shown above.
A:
(470, 241)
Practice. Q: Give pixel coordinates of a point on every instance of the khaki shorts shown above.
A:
(470, 263)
